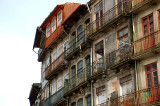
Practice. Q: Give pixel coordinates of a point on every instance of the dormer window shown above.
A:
(59, 18)
(48, 31)
(53, 25)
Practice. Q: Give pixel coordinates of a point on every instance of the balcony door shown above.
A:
(73, 76)
(99, 15)
(80, 73)
(152, 83)
(80, 35)
(148, 29)
(88, 66)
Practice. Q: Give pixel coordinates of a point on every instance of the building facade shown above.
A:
(103, 53)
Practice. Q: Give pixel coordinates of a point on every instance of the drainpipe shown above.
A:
(135, 70)
(92, 93)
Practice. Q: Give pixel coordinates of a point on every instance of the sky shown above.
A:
(19, 66)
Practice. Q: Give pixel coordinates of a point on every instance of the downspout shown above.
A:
(135, 70)
(92, 93)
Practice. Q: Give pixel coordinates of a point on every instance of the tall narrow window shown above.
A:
(73, 104)
(59, 83)
(48, 30)
(151, 75)
(73, 76)
(80, 67)
(99, 14)
(47, 61)
(89, 100)
(60, 51)
(101, 93)
(88, 66)
(53, 25)
(54, 56)
(59, 17)
(99, 50)
(80, 35)
(123, 41)
(80, 102)
(148, 29)
(54, 87)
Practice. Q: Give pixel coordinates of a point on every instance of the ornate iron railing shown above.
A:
(75, 43)
(146, 43)
(122, 7)
(118, 55)
(75, 80)
(139, 98)
(54, 98)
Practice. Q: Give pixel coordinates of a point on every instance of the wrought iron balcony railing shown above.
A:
(149, 96)
(118, 56)
(51, 68)
(56, 97)
(75, 43)
(95, 68)
(147, 43)
(74, 81)
(122, 7)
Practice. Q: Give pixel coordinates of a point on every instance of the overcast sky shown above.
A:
(19, 66)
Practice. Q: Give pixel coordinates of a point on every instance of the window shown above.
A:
(99, 50)
(123, 41)
(126, 84)
(99, 14)
(80, 102)
(47, 61)
(66, 77)
(43, 72)
(148, 26)
(66, 44)
(54, 56)
(159, 18)
(60, 51)
(80, 67)
(59, 17)
(73, 76)
(151, 75)
(73, 104)
(101, 93)
(88, 66)
(53, 87)
(89, 100)
(53, 25)
(148, 29)
(59, 83)
(48, 31)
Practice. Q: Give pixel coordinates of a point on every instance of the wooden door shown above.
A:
(148, 29)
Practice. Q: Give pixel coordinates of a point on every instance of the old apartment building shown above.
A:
(103, 53)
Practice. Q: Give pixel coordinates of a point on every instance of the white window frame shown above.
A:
(47, 61)
(48, 32)
(59, 17)
(65, 76)
(59, 52)
(53, 24)
(59, 83)
(66, 44)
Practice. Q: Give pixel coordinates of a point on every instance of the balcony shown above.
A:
(149, 96)
(75, 82)
(118, 57)
(141, 5)
(55, 98)
(74, 45)
(95, 69)
(54, 68)
(110, 17)
(147, 46)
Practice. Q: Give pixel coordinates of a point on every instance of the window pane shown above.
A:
(53, 25)
(149, 76)
(60, 50)
(148, 68)
(154, 66)
(89, 100)
(79, 67)
(80, 102)
(149, 83)
(155, 81)
(155, 73)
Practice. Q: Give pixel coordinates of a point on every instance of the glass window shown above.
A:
(53, 87)
(99, 6)
(79, 67)
(53, 25)
(80, 102)
(48, 31)
(89, 100)
(73, 79)
(59, 83)
(59, 16)
(73, 104)
(66, 44)
(60, 51)
(48, 61)
(54, 56)
(99, 54)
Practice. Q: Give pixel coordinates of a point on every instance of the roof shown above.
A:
(35, 90)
